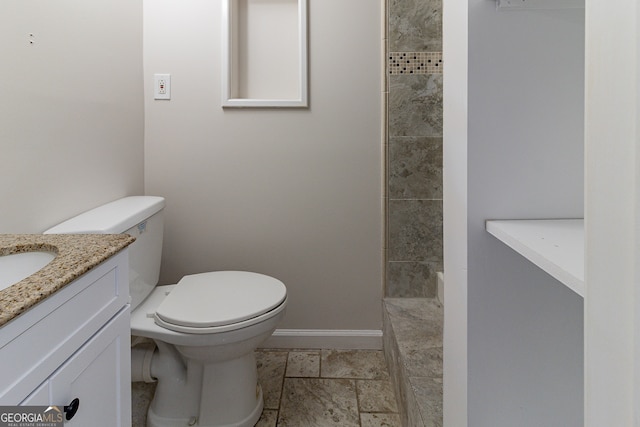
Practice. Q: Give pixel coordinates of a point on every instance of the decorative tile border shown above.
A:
(415, 62)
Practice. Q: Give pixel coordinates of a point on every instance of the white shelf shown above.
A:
(556, 246)
(539, 4)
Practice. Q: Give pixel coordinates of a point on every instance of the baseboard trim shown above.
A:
(325, 338)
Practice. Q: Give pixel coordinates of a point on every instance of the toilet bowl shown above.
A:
(205, 328)
(213, 348)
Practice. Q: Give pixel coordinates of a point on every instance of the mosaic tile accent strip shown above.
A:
(415, 63)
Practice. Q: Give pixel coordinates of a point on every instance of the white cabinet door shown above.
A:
(36, 343)
(39, 397)
(98, 374)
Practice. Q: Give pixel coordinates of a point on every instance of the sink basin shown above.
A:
(16, 267)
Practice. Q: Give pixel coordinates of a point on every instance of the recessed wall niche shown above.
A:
(264, 53)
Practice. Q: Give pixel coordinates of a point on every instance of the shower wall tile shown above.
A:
(408, 279)
(414, 147)
(415, 230)
(415, 25)
(415, 167)
(415, 105)
(415, 63)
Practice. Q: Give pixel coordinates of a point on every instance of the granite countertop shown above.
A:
(75, 255)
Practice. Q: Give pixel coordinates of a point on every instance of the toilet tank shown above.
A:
(138, 216)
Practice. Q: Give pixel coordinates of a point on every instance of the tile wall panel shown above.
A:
(415, 105)
(414, 148)
(414, 63)
(415, 25)
(415, 167)
(416, 230)
(409, 279)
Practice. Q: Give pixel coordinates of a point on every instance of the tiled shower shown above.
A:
(413, 315)
(414, 149)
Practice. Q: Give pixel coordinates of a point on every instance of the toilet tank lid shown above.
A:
(113, 218)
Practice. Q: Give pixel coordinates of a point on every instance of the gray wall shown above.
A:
(525, 160)
(414, 154)
(71, 112)
(294, 193)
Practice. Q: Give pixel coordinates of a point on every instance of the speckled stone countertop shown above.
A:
(75, 255)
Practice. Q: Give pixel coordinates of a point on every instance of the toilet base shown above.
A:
(219, 393)
(205, 380)
(154, 420)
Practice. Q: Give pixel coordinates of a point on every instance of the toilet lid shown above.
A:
(220, 298)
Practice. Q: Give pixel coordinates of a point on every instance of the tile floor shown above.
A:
(314, 388)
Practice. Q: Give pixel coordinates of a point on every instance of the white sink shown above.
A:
(16, 267)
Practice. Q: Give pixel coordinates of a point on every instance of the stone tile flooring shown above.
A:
(314, 388)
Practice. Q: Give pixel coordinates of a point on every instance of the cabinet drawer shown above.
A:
(49, 333)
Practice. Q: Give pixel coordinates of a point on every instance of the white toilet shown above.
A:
(206, 327)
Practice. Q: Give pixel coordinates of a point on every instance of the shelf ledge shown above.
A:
(539, 4)
(554, 245)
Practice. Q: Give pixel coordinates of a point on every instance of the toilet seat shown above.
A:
(220, 301)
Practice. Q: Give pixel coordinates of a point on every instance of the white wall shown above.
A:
(612, 215)
(524, 157)
(455, 99)
(294, 193)
(71, 111)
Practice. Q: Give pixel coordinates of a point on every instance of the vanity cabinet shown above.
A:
(74, 345)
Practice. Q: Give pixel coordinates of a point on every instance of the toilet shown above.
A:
(203, 330)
